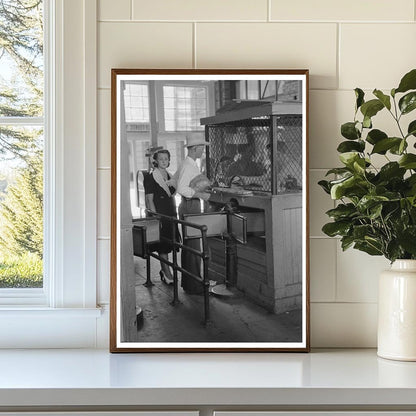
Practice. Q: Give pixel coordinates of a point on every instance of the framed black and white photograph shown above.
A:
(209, 210)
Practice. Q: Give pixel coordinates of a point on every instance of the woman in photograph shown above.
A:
(159, 189)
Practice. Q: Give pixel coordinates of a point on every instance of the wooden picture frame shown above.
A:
(254, 277)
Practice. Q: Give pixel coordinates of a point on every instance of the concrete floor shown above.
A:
(233, 319)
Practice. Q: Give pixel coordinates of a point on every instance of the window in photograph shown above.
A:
(184, 106)
(22, 120)
(136, 101)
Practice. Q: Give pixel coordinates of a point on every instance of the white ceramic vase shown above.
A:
(397, 312)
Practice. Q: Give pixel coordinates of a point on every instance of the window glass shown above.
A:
(136, 101)
(253, 92)
(183, 107)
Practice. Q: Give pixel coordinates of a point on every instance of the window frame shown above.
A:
(69, 316)
(36, 296)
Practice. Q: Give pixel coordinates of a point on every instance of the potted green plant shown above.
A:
(376, 206)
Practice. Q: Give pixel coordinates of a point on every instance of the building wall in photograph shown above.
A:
(345, 44)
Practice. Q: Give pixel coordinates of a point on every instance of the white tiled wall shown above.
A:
(345, 44)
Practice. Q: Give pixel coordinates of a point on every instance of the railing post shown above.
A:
(148, 282)
(175, 264)
(205, 259)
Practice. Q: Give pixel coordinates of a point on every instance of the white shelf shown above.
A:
(335, 378)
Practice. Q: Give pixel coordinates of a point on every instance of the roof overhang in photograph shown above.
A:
(242, 110)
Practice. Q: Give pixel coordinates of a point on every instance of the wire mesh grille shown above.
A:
(241, 153)
(288, 159)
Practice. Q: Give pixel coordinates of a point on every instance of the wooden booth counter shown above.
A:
(268, 267)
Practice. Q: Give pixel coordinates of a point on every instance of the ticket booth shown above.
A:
(255, 164)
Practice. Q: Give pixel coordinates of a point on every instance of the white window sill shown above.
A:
(36, 312)
(40, 327)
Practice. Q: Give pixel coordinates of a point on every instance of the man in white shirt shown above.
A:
(191, 204)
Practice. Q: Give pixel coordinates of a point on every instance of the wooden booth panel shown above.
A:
(216, 224)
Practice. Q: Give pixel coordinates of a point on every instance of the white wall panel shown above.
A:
(103, 271)
(376, 55)
(340, 10)
(320, 202)
(328, 110)
(142, 45)
(104, 202)
(357, 275)
(114, 10)
(200, 10)
(104, 129)
(323, 269)
(343, 325)
(272, 45)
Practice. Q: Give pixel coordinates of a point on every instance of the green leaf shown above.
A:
(346, 242)
(342, 211)
(359, 94)
(408, 82)
(411, 130)
(375, 211)
(360, 231)
(338, 189)
(338, 171)
(407, 240)
(385, 99)
(390, 170)
(393, 250)
(408, 161)
(398, 149)
(359, 165)
(402, 147)
(368, 248)
(375, 136)
(348, 158)
(351, 187)
(383, 145)
(349, 146)
(325, 186)
(411, 180)
(349, 131)
(367, 122)
(371, 108)
(408, 102)
(369, 201)
(333, 229)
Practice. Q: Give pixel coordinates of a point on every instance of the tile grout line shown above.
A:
(194, 62)
(269, 11)
(338, 63)
(344, 302)
(229, 21)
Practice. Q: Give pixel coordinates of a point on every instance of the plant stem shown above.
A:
(397, 118)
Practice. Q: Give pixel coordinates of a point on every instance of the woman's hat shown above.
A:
(152, 150)
(195, 141)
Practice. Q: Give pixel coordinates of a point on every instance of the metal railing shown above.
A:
(178, 244)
